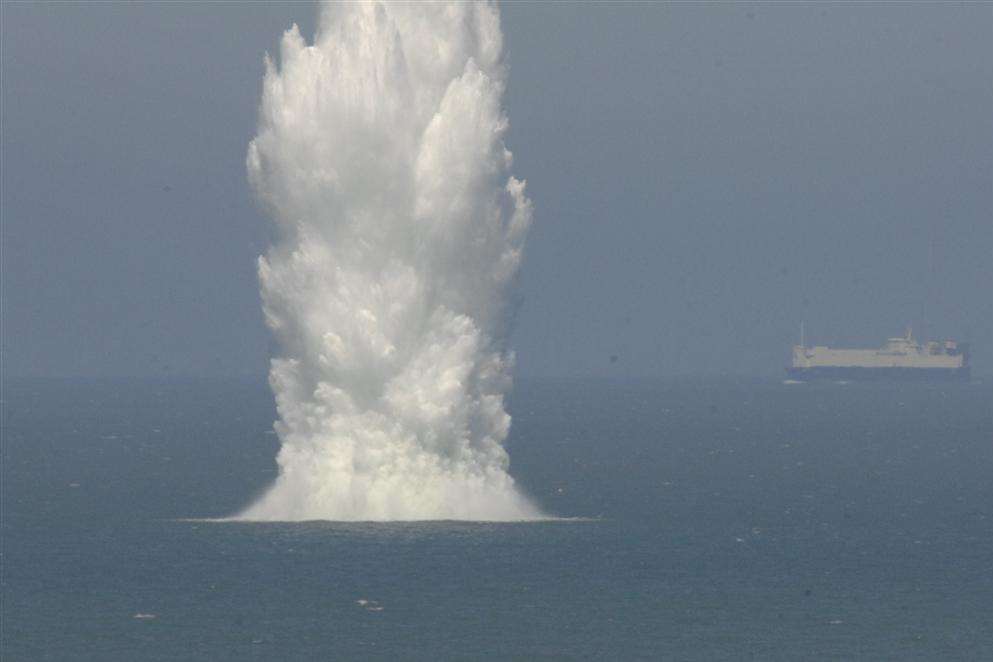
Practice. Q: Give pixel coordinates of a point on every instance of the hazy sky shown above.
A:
(704, 177)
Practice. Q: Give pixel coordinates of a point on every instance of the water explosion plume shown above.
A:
(380, 156)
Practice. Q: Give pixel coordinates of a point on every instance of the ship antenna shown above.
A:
(802, 343)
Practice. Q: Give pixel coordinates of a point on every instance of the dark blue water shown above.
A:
(730, 520)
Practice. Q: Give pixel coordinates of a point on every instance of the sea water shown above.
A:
(700, 519)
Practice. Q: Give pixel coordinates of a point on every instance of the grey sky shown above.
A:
(703, 177)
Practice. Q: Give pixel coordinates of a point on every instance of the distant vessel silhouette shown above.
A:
(901, 358)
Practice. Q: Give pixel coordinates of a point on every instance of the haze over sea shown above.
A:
(715, 519)
(704, 177)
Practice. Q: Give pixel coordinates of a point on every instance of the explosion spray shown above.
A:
(380, 157)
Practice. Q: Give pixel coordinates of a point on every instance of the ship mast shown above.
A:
(925, 329)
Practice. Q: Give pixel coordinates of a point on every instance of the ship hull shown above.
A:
(851, 373)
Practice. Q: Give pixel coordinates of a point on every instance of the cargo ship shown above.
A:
(901, 358)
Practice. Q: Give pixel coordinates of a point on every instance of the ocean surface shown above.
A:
(712, 520)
